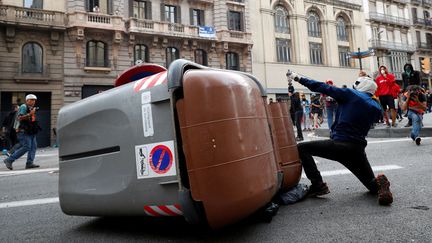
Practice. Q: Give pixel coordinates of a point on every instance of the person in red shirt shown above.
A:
(385, 82)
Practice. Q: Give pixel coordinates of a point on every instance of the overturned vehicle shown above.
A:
(191, 141)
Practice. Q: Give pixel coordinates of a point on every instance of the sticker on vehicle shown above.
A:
(147, 120)
(155, 160)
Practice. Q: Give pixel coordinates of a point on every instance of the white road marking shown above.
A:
(22, 172)
(395, 140)
(346, 171)
(29, 202)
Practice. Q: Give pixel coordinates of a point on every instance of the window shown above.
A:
(33, 4)
(235, 21)
(197, 17)
(313, 22)
(315, 50)
(341, 29)
(171, 54)
(99, 6)
(232, 61)
(201, 57)
(32, 58)
(171, 13)
(344, 60)
(141, 9)
(281, 20)
(140, 53)
(283, 50)
(97, 54)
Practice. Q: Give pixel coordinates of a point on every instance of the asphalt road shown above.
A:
(347, 214)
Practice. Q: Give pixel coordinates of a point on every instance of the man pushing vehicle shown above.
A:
(356, 112)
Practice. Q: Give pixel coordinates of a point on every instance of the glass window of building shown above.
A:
(142, 9)
(201, 57)
(97, 54)
(314, 25)
(171, 54)
(281, 20)
(32, 58)
(99, 6)
(171, 13)
(344, 59)
(197, 17)
(315, 50)
(235, 21)
(140, 53)
(33, 4)
(341, 29)
(283, 50)
(232, 61)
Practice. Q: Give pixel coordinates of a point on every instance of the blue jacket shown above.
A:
(355, 114)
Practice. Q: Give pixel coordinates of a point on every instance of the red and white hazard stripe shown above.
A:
(163, 210)
(150, 81)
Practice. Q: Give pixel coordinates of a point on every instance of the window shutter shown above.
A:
(148, 10)
(162, 8)
(87, 7)
(131, 2)
(242, 27)
(178, 14)
(230, 27)
(191, 16)
(202, 17)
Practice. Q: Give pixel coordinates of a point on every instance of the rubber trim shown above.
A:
(90, 153)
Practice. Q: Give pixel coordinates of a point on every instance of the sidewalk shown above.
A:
(381, 130)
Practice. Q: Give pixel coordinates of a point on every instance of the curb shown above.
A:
(383, 132)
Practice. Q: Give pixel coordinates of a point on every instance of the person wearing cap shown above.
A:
(354, 116)
(26, 128)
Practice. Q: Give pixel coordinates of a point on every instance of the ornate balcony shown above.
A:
(234, 36)
(31, 17)
(388, 45)
(424, 46)
(389, 19)
(422, 22)
(96, 21)
(145, 26)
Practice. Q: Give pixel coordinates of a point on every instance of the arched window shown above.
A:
(140, 53)
(232, 61)
(201, 57)
(313, 22)
(97, 54)
(341, 29)
(32, 58)
(171, 54)
(281, 20)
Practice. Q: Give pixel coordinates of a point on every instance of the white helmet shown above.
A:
(31, 97)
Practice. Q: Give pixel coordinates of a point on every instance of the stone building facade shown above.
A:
(105, 37)
(310, 37)
(31, 59)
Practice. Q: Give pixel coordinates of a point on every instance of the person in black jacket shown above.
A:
(297, 110)
(8, 127)
(410, 77)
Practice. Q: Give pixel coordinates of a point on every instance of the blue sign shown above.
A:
(207, 31)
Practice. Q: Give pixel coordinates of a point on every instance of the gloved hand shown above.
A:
(293, 76)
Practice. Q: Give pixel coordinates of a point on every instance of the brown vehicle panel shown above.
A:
(286, 144)
(227, 145)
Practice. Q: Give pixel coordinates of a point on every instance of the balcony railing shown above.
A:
(96, 20)
(402, 1)
(424, 46)
(389, 19)
(234, 36)
(427, 3)
(32, 17)
(162, 28)
(42, 74)
(380, 44)
(423, 22)
(416, 1)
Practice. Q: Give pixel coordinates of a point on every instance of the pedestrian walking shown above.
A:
(316, 110)
(27, 127)
(355, 114)
(306, 113)
(9, 130)
(297, 109)
(415, 103)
